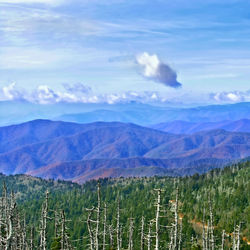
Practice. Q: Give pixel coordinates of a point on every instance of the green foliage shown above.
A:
(228, 188)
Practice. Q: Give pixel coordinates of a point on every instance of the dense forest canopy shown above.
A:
(225, 192)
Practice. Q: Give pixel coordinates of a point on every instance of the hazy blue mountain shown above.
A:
(54, 149)
(142, 114)
(184, 127)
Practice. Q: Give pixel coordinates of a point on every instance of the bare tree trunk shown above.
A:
(171, 239)
(121, 228)
(104, 227)
(180, 236)
(111, 238)
(131, 231)
(207, 236)
(32, 238)
(142, 233)
(211, 225)
(238, 237)
(222, 240)
(63, 229)
(157, 225)
(91, 235)
(98, 211)
(118, 236)
(149, 235)
(203, 231)
(176, 220)
(43, 229)
(9, 215)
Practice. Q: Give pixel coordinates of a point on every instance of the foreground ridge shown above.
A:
(136, 213)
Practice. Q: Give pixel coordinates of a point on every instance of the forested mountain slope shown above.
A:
(81, 152)
(228, 189)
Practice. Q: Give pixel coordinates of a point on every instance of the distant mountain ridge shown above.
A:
(148, 115)
(83, 151)
(184, 127)
(14, 112)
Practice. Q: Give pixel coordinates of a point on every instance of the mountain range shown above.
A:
(184, 127)
(78, 152)
(16, 112)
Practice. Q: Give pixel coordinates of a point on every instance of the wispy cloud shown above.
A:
(46, 2)
(154, 69)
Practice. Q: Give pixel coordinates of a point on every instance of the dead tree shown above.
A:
(98, 215)
(203, 231)
(212, 242)
(175, 240)
(56, 224)
(43, 223)
(157, 219)
(31, 245)
(207, 236)
(91, 234)
(222, 239)
(142, 233)
(104, 227)
(171, 242)
(118, 232)
(149, 236)
(111, 237)
(65, 244)
(180, 236)
(121, 228)
(7, 237)
(238, 236)
(131, 231)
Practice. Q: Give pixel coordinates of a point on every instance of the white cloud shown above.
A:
(157, 71)
(231, 97)
(77, 93)
(11, 93)
(43, 94)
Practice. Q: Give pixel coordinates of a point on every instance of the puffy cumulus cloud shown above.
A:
(77, 93)
(232, 96)
(154, 69)
(73, 93)
(10, 92)
(43, 94)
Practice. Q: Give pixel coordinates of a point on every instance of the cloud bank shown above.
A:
(231, 97)
(76, 93)
(80, 93)
(154, 69)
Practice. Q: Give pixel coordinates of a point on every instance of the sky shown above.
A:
(178, 51)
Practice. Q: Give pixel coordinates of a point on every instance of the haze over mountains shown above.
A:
(184, 127)
(83, 151)
(138, 113)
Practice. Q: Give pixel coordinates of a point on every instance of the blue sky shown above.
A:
(89, 50)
